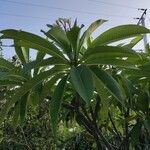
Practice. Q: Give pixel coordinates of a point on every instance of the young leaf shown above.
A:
(82, 81)
(86, 35)
(56, 103)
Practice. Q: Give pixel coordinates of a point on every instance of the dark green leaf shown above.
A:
(39, 57)
(16, 115)
(110, 83)
(26, 88)
(56, 103)
(6, 64)
(34, 98)
(47, 87)
(82, 81)
(135, 133)
(8, 82)
(104, 96)
(23, 107)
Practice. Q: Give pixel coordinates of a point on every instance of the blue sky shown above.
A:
(33, 15)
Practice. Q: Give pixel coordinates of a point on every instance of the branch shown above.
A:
(25, 138)
(113, 124)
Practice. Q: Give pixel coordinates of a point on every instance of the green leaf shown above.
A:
(129, 63)
(127, 86)
(134, 41)
(138, 72)
(45, 62)
(73, 35)
(39, 57)
(34, 98)
(8, 82)
(26, 53)
(26, 88)
(19, 52)
(59, 36)
(12, 76)
(143, 102)
(56, 103)
(147, 124)
(47, 87)
(104, 96)
(109, 52)
(22, 52)
(29, 40)
(81, 78)
(111, 55)
(110, 83)
(86, 35)
(23, 107)
(119, 33)
(135, 133)
(6, 64)
(16, 116)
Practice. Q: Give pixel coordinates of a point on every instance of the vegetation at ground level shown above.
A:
(78, 93)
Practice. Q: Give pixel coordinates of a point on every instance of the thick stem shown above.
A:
(94, 130)
(90, 125)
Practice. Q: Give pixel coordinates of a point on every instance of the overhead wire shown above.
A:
(113, 4)
(62, 9)
(23, 16)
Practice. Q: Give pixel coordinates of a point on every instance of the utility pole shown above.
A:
(142, 22)
(1, 50)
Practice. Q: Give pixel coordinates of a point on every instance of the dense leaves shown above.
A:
(106, 90)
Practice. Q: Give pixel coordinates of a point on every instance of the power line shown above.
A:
(63, 9)
(113, 4)
(28, 16)
(22, 16)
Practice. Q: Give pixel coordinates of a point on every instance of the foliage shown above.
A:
(93, 81)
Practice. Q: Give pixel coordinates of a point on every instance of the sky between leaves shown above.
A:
(33, 15)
